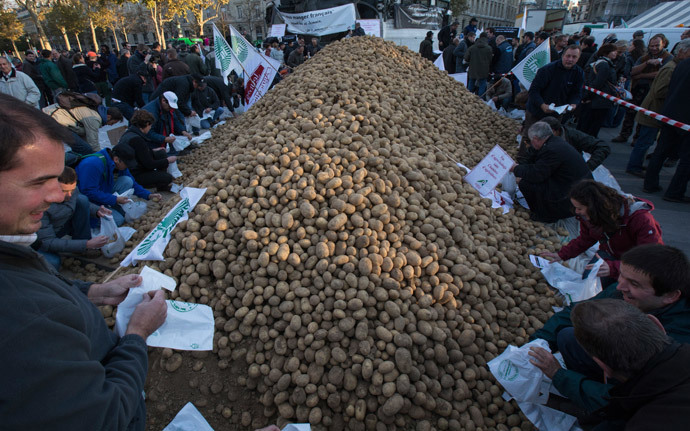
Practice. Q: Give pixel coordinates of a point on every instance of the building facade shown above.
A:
(615, 10)
(490, 13)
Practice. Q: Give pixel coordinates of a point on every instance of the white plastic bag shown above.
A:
(174, 170)
(133, 210)
(571, 284)
(521, 379)
(188, 419)
(509, 184)
(490, 103)
(180, 143)
(193, 121)
(116, 241)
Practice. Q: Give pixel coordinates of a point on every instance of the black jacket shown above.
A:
(182, 87)
(65, 66)
(62, 367)
(582, 142)
(449, 58)
(85, 77)
(601, 75)
(657, 397)
(446, 36)
(426, 49)
(676, 105)
(206, 98)
(553, 170)
(129, 90)
(585, 55)
(555, 84)
(222, 90)
(121, 67)
(144, 155)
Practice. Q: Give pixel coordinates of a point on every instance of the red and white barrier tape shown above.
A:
(664, 119)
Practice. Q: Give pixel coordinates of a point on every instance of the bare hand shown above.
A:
(604, 269)
(207, 110)
(169, 140)
(187, 135)
(113, 292)
(546, 109)
(97, 242)
(155, 196)
(103, 211)
(172, 159)
(495, 99)
(573, 106)
(545, 361)
(194, 114)
(123, 200)
(149, 314)
(551, 257)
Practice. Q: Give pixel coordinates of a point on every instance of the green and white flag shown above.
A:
(526, 70)
(226, 61)
(153, 246)
(259, 70)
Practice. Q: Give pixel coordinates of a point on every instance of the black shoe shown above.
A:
(669, 163)
(683, 200)
(651, 189)
(619, 138)
(638, 173)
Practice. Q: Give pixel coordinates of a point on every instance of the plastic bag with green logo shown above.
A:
(522, 380)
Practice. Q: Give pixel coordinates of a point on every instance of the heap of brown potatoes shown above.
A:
(338, 241)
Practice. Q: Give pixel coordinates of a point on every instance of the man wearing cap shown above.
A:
(182, 86)
(205, 101)
(128, 93)
(100, 64)
(96, 179)
(639, 34)
(167, 120)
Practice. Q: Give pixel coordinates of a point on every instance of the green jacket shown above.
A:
(479, 58)
(589, 394)
(196, 65)
(655, 98)
(51, 74)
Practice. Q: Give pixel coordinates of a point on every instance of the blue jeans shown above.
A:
(51, 258)
(644, 141)
(206, 124)
(479, 83)
(122, 184)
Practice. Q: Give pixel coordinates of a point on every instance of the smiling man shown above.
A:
(62, 367)
(654, 278)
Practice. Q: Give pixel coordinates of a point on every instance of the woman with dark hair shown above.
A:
(618, 222)
(86, 77)
(149, 168)
(601, 75)
(635, 51)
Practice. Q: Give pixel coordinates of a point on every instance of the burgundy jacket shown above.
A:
(637, 227)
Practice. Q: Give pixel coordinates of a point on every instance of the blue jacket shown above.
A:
(525, 51)
(161, 126)
(587, 393)
(505, 60)
(96, 179)
(555, 84)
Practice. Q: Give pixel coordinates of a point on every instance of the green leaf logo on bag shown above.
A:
(508, 370)
(533, 63)
(163, 228)
(183, 307)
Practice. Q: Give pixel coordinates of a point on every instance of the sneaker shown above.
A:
(637, 173)
(619, 138)
(683, 200)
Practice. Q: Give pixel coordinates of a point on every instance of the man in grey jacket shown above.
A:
(69, 217)
(62, 367)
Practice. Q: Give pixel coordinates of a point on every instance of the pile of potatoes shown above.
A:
(366, 285)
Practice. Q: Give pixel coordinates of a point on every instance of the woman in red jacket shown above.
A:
(618, 222)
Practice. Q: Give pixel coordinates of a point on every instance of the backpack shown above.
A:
(70, 99)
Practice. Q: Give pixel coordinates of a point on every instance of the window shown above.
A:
(240, 15)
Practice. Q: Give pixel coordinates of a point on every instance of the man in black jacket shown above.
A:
(128, 93)
(63, 368)
(597, 149)
(426, 47)
(547, 177)
(447, 34)
(632, 348)
(182, 86)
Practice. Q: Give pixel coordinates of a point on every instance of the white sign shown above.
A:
(153, 246)
(259, 70)
(371, 27)
(277, 30)
(321, 22)
(460, 77)
(489, 172)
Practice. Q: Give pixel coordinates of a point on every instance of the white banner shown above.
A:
(259, 70)
(321, 22)
(526, 70)
(371, 27)
(277, 30)
(489, 172)
(225, 60)
(153, 246)
(439, 62)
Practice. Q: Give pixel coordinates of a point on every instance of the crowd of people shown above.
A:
(623, 349)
